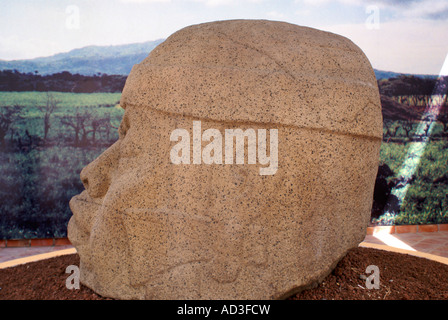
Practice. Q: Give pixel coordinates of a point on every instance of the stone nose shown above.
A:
(96, 176)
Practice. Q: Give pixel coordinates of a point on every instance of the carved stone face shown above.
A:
(143, 218)
(146, 227)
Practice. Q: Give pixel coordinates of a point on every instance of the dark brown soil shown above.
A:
(401, 277)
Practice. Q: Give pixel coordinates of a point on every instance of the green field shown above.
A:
(36, 188)
(78, 109)
(34, 98)
(39, 174)
(426, 201)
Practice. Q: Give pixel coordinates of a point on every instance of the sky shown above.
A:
(396, 35)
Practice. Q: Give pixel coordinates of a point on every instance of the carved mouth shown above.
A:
(84, 209)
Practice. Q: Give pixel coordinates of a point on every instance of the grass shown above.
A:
(36, 183)
(35, 189)
(38, 178)
(426, 201)
(68, 99)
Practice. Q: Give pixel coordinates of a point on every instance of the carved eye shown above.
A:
(129, 146)
(124, 127)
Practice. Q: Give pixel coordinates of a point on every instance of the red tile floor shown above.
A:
(7, 254)
(435, 243)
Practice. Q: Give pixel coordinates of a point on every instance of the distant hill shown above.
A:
(393, 110)
(380, 75)
(89, 61)
(61, 82)
(111, 60)
(105, 68)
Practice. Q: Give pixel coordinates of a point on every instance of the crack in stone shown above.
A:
(263, 53)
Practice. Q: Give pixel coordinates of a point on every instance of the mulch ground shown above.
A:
(402, 277)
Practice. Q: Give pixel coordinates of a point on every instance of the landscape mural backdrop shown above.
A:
(59, 113)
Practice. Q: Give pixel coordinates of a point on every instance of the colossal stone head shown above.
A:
(179, 209)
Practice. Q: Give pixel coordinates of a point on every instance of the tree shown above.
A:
(83, 124)
(48, 109)
(109, 124)
(391, 128)
(97, 124)
(407, 127)
(443, 118)
(383, 199)
(8, 115)
(78, 123)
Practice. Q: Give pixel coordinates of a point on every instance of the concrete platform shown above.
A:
(430, 245)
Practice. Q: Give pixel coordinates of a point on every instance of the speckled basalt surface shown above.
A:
(146, 228)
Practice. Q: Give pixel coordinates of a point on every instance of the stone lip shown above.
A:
(232, 77)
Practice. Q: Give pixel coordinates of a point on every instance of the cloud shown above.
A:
(426, 9)
(209, 3)
(388, 3)
(14, 47)
(145, 1)
(314, 2)
(408, 46)
(275, 14)
(435, 10)
(216, 3)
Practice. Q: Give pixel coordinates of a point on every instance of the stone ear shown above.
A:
(170, 238)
